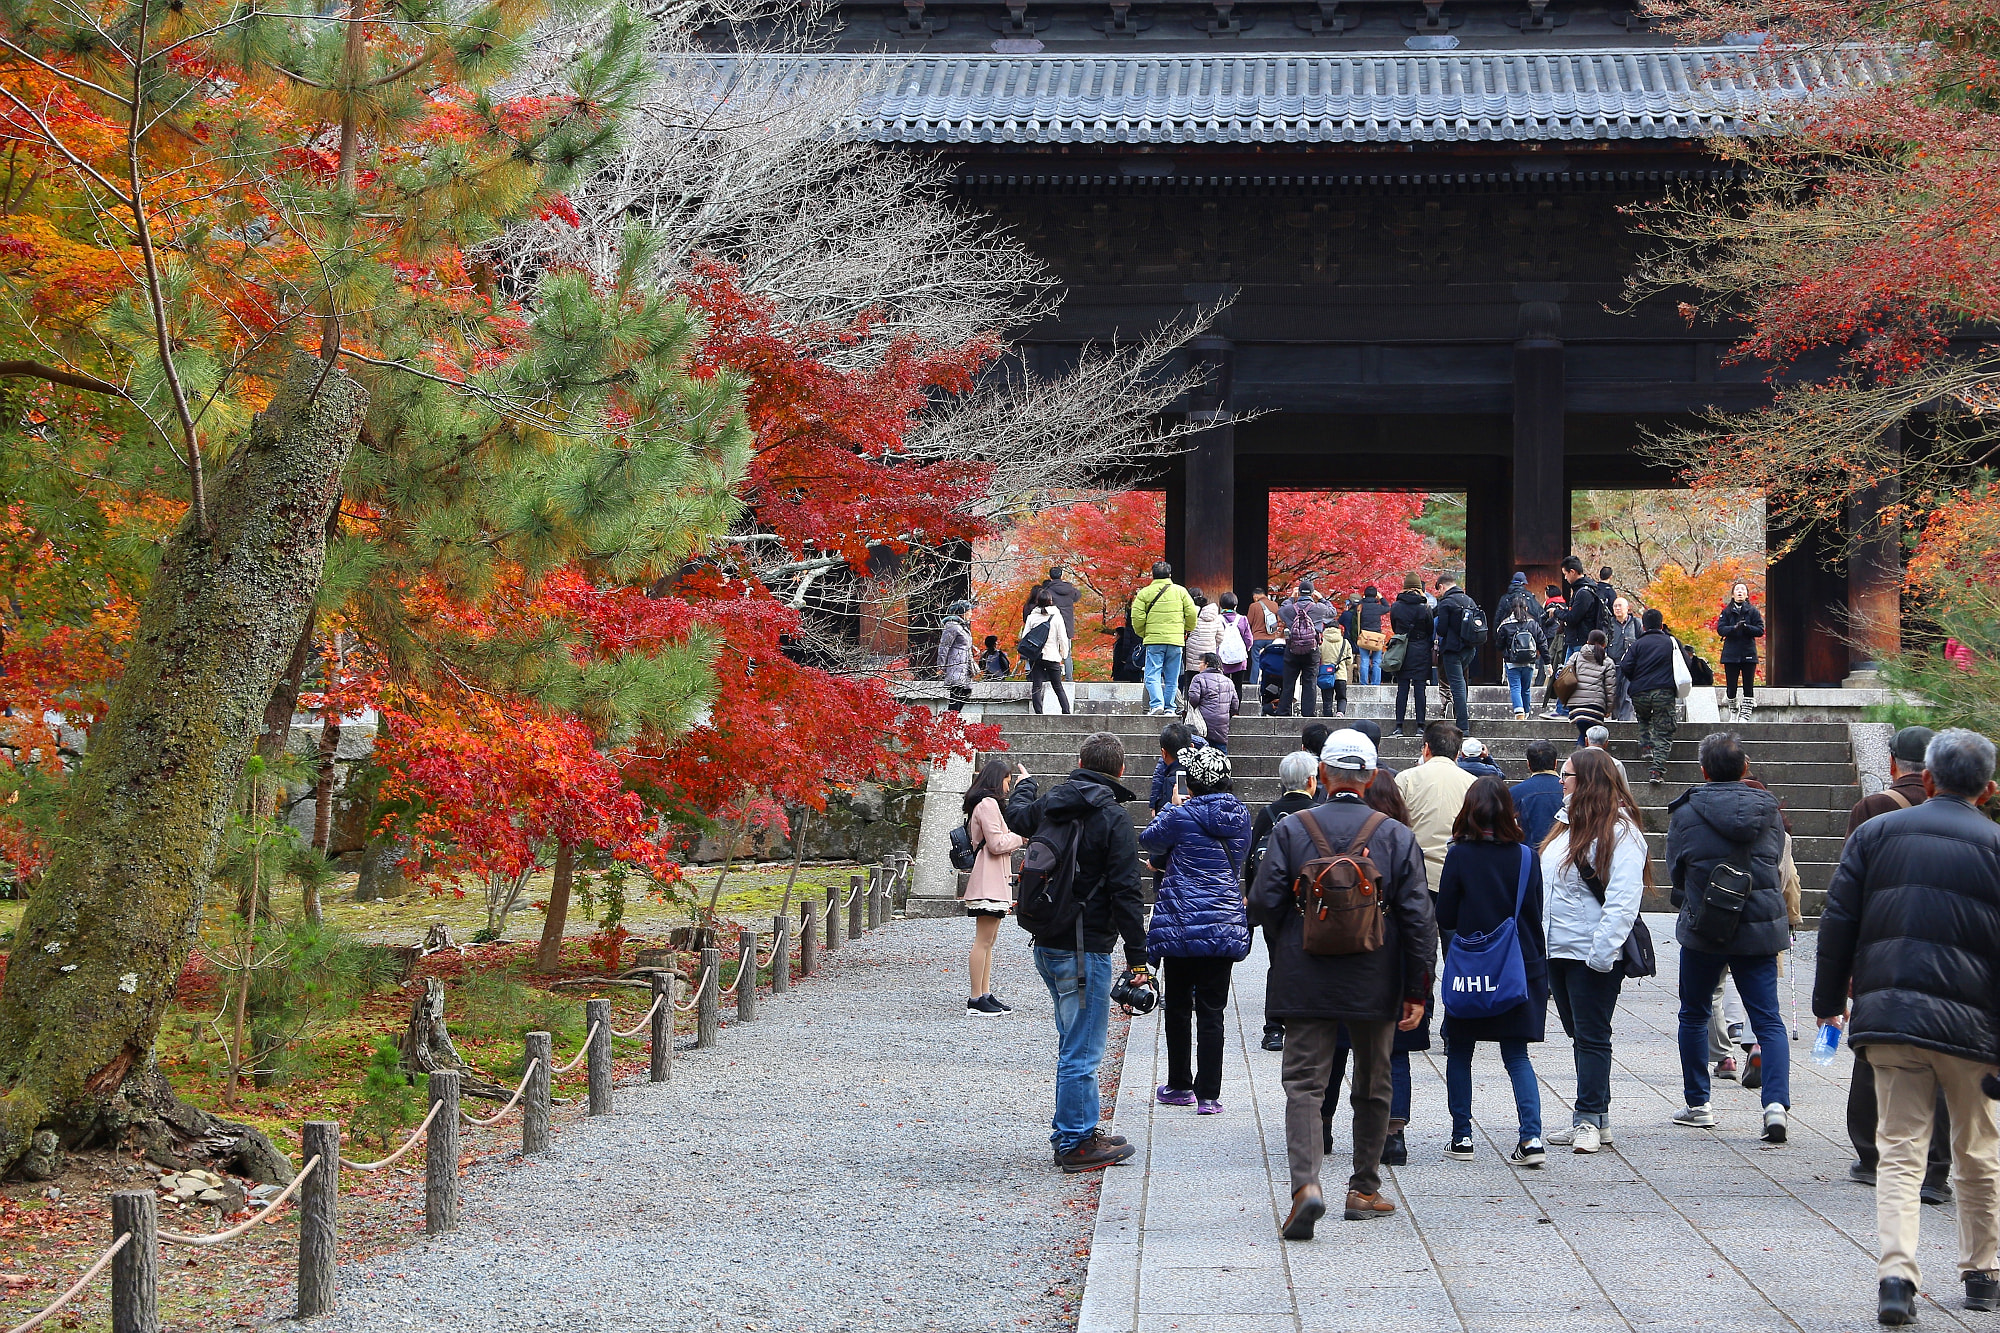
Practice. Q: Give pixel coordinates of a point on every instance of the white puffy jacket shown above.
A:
(1577, 925)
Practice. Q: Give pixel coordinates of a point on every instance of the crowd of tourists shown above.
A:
(1393, 902)
(1591, 651)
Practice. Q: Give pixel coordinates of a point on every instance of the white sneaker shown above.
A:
(1585, 1138)
(1774, 1124)
(1562, 1138)
(1695, 1117)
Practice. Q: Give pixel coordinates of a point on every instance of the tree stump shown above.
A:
(427, 1047)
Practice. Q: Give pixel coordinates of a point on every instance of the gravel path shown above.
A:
(861, 1157)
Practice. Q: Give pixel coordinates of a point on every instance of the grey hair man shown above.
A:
(1599, 738)
(1911, 932)
(1372, 993)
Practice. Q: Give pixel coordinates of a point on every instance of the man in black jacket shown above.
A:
(1373, 993)
(1726, 836)
(1456, 654)
(1107, 886)
(1648, 670)
(1911, 929)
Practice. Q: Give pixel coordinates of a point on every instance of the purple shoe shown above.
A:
(1174, 1096)
(1206, 1107)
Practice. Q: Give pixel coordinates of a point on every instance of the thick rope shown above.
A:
(633, 1031)
(564, 1069)
(179, 1238)
(772, 952)
(408, 1144)
(494, 1119)
(694, 996)
(82, 1282)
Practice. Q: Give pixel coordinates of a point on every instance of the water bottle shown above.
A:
(1826, 1043)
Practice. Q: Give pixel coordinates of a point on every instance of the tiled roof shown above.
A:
(1359, 97)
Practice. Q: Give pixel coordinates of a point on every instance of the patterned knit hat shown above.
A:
(1203, 764)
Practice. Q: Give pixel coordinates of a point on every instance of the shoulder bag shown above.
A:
(1484, 974)
(1637, 950)
(1683, 677)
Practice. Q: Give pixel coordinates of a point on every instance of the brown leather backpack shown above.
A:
(1339, 893)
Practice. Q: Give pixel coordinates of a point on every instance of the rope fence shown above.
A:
(134, 1254)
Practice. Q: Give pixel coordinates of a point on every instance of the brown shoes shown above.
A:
(1093, 1154)
(1308, 1206)
(1361, 1207)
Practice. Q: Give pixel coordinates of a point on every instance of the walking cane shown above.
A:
(1792, 972)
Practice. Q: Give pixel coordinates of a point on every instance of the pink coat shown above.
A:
(992, 878)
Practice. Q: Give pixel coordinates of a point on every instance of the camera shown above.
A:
(1135, 993)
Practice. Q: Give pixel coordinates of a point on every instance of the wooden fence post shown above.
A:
(135, 1270)
(906, 866)
(441, 1156)
(746, 976)
(660, 1066)
(875, 878)
(319, 1198)
(781, 955)
(598, 1065)
(833, 922)
(808, 937)
(535, 1102)
(707, 1016)
(857, 910)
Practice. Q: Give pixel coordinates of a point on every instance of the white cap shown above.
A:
(1349, 751)
(1471, 747)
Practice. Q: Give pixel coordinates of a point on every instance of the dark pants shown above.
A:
(1456, 667)
(1301, 676)
(1333, 698)
(1310, 1044)
(1399, 1086)
(1051, 673)
(1745, 672)
(1861, 1124)
(1195, 993)
(1407, 680)
(1585, 1001)
(1757, 983)
(1271, 1024)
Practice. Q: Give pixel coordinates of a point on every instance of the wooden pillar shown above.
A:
(1488, 552)
(1253, 537)
(135, 1270)
(1805, 610)
(1875, 567)
(1541, 522)
(1173, 539)
(535, 1102)
(1208, 473)
(660, 1050)
(319, 1201)
(441, 1156)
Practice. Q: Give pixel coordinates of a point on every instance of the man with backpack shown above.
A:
(1163, 615)
(1343, 889)
(1078, 896)
(1304, 619)
(1461, 629)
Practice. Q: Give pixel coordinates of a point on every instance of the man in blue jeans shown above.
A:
(1724, 841)
(1107, 886)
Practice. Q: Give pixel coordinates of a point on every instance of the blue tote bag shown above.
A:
(1484, 974)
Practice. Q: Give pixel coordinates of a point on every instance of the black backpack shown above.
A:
(963, 854)
(1606, 621)
(1031, 644)
(1045, 901)
(1472, 629)
(1521, 649)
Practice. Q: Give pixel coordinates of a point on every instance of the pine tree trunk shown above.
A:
(99, 952)
(549, 957)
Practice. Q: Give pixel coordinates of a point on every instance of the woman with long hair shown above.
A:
(1492, 877)
(989, 890)
(1595, 872)
(1045, 665)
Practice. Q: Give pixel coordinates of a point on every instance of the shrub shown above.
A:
(388, 1102)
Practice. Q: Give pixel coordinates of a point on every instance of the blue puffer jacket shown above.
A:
(1200, 910)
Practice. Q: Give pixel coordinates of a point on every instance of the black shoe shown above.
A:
(1896, 1301)
(999, 1004)
(1460, 1149)
(1938, 1192)
(1982, 1290)
(1860, 1174)
(1274, 1040)
(1395, 1152)
(1093, 1154)
(1397, 732)
(1753, 1068)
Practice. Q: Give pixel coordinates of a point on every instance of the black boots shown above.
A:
(1897, 1302)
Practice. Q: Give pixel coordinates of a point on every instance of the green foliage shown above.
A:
(307, 976)
(496, 1007)
(388, 1102)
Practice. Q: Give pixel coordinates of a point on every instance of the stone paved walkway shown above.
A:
(1673, 1229)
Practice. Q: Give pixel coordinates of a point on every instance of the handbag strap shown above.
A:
(1521, 893)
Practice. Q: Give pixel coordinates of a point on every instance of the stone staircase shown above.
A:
(1809, 765)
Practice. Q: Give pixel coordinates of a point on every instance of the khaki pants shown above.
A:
(1907, 1081)
(1309, 1048)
